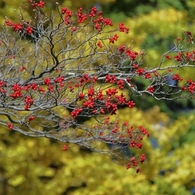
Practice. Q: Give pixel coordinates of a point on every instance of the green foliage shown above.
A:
(132, 8)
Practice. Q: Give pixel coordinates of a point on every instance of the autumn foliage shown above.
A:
(64, 77)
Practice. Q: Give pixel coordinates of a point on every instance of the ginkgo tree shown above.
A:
(63, 78)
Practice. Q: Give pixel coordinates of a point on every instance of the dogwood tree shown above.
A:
(64, 77)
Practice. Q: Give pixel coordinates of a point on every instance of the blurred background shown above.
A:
(40, 166)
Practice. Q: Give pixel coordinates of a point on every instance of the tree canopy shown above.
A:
(90, 84)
